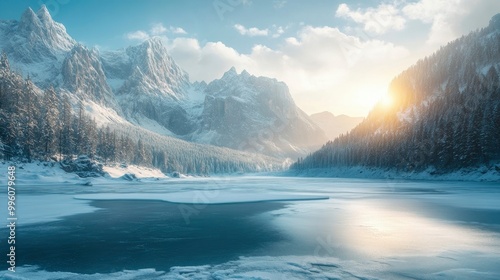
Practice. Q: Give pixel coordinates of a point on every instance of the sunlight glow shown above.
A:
(386, 101)
(385, 232)
(367, 96)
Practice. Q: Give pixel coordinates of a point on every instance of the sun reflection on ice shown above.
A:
(382, 232)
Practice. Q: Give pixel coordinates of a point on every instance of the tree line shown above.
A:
(44, 125)
(445, 115)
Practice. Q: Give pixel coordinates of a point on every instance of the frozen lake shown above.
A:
(257, 228)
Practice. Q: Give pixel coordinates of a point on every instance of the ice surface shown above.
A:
(33, 209)
(197, 197)
(261, 268)
(138, 171)
(368, 229)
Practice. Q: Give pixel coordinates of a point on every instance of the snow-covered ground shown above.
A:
(117, 171)
(466, 174)
(366, 229)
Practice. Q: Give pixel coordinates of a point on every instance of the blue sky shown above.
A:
(337, 56)
(105, 22)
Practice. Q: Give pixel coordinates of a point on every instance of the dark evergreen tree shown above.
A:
(445, 115)
(66, 131)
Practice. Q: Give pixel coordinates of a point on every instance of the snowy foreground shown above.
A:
(347, 228)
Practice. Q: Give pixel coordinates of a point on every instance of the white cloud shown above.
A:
(274, 31)
(278, 4)
(321, 65)
(177, 30)
(441, 14)
(252, 31)
(448, 19)
(379, 20)
(206, 62)
(156, 30)
(327, 69)
(137, 35)
(278, 31)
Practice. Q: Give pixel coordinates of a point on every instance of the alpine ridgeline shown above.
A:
(333, 125)
(41, 124)
(143, 85)
(59, 99)
(255, 114)
(445, 114)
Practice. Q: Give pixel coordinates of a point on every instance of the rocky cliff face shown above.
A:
(36, 45)
(255, 114)
(38, 36)
(84, 76)
(144, 84)
(149, 86)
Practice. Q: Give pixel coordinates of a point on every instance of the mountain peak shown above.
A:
(41, 30)
(245, 73)
(230, 73)
(154, 43)
(495, 21)
(154, 71)
(28, 18)
(44, 15)
(324, 114)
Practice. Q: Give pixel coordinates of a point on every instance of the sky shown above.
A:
(337, 56)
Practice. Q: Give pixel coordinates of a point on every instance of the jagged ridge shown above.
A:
(144, 84)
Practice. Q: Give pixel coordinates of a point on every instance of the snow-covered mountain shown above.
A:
(84, 76)
(39, 124)
(145, 86)
(36, 45)
(333, 125)
(150, 87)
(445, 114)
(242, 111)
(40, 48)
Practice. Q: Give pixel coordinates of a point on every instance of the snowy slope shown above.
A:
(83, 75)
(150, 87)
(36, 45)
(258, 114)
(111, 130)
(144, 86)
(444, 117)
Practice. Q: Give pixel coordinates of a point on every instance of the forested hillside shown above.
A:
(444, 114)
(43, 125)
(143, 85)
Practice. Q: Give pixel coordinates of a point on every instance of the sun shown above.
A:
(386, 101)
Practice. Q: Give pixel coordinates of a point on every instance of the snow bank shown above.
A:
(205, 197)
(263, 268)
(117, 171)
(470, 174)
(32, 209)
(37, 173)
(272, 268)
(41, 173)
